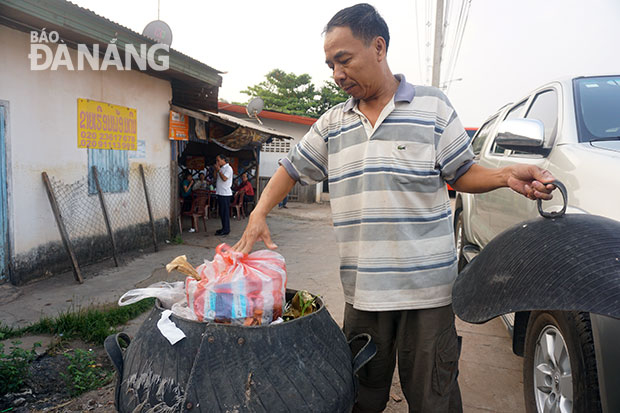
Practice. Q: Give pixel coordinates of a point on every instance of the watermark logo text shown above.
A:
(49, 52)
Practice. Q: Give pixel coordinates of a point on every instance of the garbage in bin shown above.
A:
(237, 287)
(233, 288)
(302, 303)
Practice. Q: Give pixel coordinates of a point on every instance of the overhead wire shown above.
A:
(429, 36)
(452, 48)
(448, 33)
(419, 43)
(460, 40)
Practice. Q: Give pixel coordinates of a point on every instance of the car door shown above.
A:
(478, 218)
(506, 207)
(487, 210)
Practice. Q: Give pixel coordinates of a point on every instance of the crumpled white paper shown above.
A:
(168, 329)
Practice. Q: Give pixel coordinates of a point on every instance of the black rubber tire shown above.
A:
(577, 333)
(458, 226)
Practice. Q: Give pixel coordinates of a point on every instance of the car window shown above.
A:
(545, 109)
(483, 133)
(597, 104)
(517, 111)
(514, 113)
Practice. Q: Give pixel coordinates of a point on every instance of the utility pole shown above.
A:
(438, 46)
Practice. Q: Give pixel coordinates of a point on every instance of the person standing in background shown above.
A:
(223, 184)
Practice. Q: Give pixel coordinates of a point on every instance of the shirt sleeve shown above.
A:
(306, 162)
(228, 172)
(454, 154)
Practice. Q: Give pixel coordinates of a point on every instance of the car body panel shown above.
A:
(589, 171)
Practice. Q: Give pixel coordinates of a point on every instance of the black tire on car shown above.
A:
(561, 373)
(459, 232)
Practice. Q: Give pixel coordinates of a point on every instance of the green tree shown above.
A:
(296, 94)
(330, 95)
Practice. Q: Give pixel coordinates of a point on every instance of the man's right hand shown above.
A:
(256, 229)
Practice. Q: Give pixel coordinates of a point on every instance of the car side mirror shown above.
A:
(525, 135)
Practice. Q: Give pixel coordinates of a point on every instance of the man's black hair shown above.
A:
(223, 157)
(364, 21)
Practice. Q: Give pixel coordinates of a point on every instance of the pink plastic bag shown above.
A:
(239, 288)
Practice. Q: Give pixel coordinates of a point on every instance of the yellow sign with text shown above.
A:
(105, 126)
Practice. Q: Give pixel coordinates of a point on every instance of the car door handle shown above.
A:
(555, 214)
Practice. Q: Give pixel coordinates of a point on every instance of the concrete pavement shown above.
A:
(490, 376)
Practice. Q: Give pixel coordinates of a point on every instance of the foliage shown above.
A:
(84, 373)
(296, 94)
(14, 366)
(329, 95)
(177, 240)
(90, 324)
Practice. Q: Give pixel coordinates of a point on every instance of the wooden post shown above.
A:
(257, 157)
(61, 227)
(148, 206)
(174, 198)
(105, 214)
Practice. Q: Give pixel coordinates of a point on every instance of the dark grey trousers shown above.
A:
(427, 348)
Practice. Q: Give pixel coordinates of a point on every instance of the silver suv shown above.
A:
(572, 128)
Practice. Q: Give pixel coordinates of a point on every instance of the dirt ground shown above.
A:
(46, 390)
(490, 376)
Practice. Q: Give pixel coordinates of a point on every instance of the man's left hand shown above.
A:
(531, 181)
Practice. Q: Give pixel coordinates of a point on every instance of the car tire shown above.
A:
(559, 367)
(459, 238)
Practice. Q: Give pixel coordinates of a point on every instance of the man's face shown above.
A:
(218, 161)
(355, 66)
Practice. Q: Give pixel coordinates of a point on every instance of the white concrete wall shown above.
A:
(42, 132)
(269, 160)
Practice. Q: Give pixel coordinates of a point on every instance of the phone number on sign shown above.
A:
(107, 141)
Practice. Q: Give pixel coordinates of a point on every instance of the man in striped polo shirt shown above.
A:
(388, 153)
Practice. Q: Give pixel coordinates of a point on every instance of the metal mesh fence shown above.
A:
(82, 212)
(127, 211)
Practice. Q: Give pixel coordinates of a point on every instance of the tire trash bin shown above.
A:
(239, 363)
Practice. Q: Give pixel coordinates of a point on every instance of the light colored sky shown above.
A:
(509, 47)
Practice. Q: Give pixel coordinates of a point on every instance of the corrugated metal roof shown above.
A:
(268, 114)
(245, 133)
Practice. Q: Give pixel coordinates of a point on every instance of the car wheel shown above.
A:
(559, 368)
(459, 238)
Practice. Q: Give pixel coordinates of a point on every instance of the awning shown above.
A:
(244, 134)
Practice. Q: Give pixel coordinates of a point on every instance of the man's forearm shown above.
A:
(480, 179)
(278, 187)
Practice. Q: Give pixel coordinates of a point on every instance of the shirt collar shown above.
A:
(404, 93)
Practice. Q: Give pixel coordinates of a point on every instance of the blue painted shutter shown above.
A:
(112, 169)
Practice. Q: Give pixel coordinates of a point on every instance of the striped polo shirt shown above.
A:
(387, 187)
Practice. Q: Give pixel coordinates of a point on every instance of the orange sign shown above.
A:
(178, 129)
